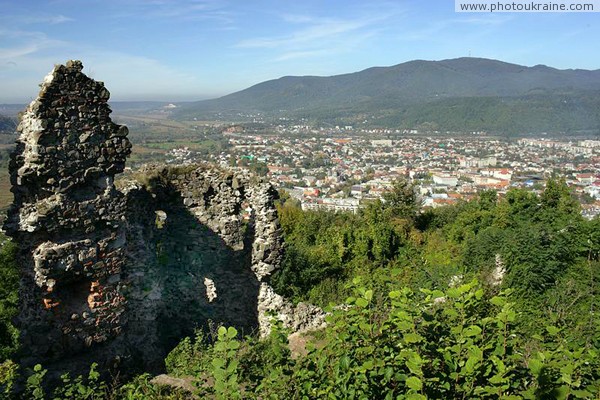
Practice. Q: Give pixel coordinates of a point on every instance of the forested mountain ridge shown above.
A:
(418, 92)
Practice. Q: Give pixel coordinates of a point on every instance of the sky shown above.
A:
(184, 50)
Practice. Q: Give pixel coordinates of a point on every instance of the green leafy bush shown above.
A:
(9, 285)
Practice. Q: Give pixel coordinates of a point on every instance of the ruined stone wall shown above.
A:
(120, 276)
(67, 216)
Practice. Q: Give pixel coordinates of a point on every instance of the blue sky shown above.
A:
(194, 49)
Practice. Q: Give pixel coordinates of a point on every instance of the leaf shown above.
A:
(362, 303)
(552, 330)
(414, 366)
(222, 331)
(414, 383)
(535, 366)
(218, 363)
(367, 365)
(394, 294)
(368, 295)
(451, 312)
(562, 392)
(231, 332)
(415, 396)
(472, 330)
(498, 301)
(233, 380)
(582, 394)
(232, 366)
(404, 325)
(412, 338)
(219, 386)
(388, 374)
(511, 315)
(345, 362)
(403, 315)
(364, 326)
(472, 363)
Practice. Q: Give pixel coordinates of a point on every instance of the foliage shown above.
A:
(463, 342)
(258, 167)
(440, 346)
(34, 387)
(189, 357)
(81, 388)
(266, 364)
(401, 200)
(325, 250)
(9, 283)
(8, 375)
(225, 365)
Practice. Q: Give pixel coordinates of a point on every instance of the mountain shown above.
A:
(456, 94)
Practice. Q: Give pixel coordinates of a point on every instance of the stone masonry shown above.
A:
(120, 276)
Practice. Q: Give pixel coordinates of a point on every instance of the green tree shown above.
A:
(401, 200)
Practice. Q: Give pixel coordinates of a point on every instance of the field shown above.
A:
(6, 197)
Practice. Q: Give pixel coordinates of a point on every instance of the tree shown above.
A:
(401, 200)
(558, 204)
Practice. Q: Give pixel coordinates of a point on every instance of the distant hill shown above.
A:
(457, 94)
(7, 124)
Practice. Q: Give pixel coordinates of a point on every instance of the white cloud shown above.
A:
(312, 36)
(317, 29)
(19, 20)
(181, 10)
(52, 20)
(24, 43)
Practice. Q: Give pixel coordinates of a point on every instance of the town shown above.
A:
(343, 169)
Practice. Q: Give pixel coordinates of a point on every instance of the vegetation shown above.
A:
(9, 285)
(493, 298)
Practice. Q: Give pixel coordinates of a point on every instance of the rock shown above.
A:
(187, 385)
(211, 289)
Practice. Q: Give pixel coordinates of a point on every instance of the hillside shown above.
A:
(7, 124)
(457, 94)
